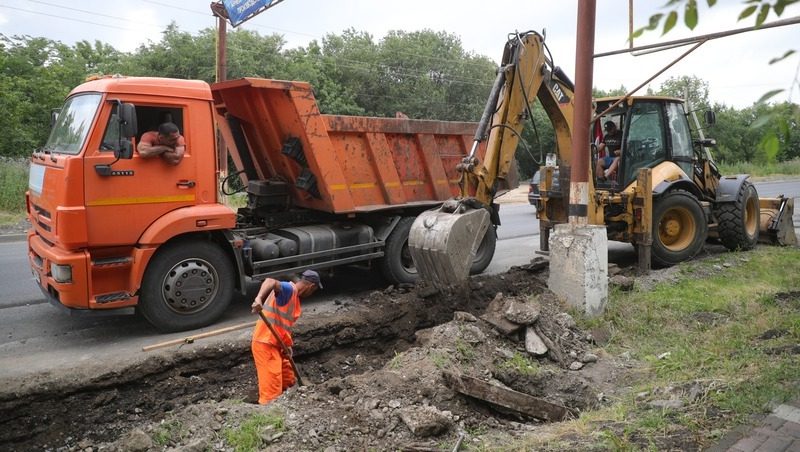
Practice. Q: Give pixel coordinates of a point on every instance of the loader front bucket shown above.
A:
(443, 242)
(777, 227)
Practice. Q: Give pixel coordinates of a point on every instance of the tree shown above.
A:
(695, 87)
(35, 76)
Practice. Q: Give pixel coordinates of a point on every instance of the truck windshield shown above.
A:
(73, 124)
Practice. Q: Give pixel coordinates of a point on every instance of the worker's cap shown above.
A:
(312, 277)
(609, 125)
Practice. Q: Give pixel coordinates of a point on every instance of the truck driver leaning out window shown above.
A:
(167, 142)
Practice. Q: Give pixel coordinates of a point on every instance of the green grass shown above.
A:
(709, 322)
(13, 183)
(789, 168)
(248, 435)
(522, 364)
(167, 432)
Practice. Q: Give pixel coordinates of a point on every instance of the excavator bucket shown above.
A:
(443, 242)
(777, 227)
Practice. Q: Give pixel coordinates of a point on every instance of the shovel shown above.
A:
(284, 348)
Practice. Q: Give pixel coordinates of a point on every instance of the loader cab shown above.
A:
(654, 130)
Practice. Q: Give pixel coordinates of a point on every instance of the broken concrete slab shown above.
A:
(623, 282)
(461, 316)
(533, 343)
(495, 316)
(506, 398)
(522, 313)
(424, 421)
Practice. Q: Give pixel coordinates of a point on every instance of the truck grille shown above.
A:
(42, 213)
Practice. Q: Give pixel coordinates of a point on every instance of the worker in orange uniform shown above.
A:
(280, 301)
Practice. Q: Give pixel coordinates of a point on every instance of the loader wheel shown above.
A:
(679, 228)
(485, 253)
(397, 266)
(187, 285)
(739, 220)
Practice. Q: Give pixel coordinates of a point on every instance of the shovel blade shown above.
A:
(443, 243)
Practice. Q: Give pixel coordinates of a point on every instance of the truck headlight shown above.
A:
(61, 273)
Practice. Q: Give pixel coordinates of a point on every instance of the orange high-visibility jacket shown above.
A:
(281, 317)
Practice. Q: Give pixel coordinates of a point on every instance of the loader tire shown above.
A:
(679, 228)
(397, 266)
(738, 221)
(485, 253)
(187, 285)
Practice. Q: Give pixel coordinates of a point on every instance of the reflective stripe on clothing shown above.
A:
(282, 314)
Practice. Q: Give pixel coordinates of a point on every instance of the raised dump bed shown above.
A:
(338, 164)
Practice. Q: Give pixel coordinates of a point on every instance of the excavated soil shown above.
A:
(374, 380)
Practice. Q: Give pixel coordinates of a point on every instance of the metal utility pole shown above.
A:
(218, 9)
(584, 65)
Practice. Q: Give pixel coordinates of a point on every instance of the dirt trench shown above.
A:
(366, 367)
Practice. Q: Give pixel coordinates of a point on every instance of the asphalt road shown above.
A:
(36, 337)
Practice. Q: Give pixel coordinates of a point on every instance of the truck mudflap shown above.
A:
(443, 241)
(777, 226)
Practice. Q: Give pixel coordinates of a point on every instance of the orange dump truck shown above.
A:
(113, 231)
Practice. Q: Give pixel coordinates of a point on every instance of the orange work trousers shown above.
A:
(274, 371)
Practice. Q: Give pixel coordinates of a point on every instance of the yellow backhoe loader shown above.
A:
(666, 196)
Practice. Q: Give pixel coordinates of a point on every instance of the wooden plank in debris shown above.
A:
(506, 398)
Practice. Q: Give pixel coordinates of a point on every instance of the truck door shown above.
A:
(120, 206)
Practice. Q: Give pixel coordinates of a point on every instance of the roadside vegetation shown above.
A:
(714, 344)
(763, 170)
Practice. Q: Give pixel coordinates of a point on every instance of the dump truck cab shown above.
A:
(92, 213)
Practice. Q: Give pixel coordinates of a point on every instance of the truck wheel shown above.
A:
(739, 220)
(679, 228)
(397, 266)
(187, 285)
(485, 253)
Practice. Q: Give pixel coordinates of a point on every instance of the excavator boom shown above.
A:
(443, 242)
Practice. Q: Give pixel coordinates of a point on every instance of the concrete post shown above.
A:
(579, 267)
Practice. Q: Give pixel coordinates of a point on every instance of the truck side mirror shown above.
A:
(54, 116)
(127, 130)
(710, 117)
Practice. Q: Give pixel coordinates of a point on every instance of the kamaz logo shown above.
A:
(561, 97)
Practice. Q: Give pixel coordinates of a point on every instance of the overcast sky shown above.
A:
(737, 68)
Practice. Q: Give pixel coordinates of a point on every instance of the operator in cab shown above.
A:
(167, 142)
(611, 147)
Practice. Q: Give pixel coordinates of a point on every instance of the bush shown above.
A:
(13, 183)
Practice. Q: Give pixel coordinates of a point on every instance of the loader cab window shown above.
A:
(645, 139)
(681, 138)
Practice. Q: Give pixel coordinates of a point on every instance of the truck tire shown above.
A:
(679, 228)
(397, 266)
(187, 285)
(738, 221)
(485, 253)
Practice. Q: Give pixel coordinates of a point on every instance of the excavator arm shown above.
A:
(443, 241)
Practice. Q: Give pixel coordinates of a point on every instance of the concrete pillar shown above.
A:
(579, 267)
